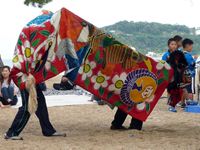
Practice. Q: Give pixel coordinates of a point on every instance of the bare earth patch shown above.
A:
(87, 127)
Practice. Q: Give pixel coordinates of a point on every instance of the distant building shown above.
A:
(151, 54)
(154, 55)
(197, 30)
(112, 31)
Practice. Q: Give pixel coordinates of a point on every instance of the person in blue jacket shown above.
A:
(187, 49)
(172, 46)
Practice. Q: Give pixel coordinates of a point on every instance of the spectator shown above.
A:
(172, 46)
(187, 49)
(8, 89)
(181, 78)
(178, 40)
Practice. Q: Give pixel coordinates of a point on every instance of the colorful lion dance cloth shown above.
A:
(93, 59)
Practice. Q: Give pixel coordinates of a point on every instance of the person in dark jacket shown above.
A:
(120, 117)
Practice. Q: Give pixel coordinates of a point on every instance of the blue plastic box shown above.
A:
(192, 109)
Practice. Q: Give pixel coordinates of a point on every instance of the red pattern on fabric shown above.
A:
(70, 27)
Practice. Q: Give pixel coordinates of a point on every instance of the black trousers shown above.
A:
(23, 115)
(120, 117)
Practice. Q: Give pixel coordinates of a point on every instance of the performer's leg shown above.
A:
(21, 118)
(42, 114)
(136, 124)
(119, 119)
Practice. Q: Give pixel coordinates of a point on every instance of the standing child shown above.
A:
(172, 46)
(175, 88)
(187, 49)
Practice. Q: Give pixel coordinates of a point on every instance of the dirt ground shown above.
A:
(87, 127)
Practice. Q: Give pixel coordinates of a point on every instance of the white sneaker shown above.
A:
(59, 134)
(6, 137)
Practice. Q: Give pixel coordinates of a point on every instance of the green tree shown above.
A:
(153, 36)
(38, 3)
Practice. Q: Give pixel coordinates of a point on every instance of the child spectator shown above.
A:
(178, 40)
(8, 89)
(187, 49)
(180, 79)
(172, 46)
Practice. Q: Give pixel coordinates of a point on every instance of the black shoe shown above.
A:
(63, 86)
(58, 86)
(118, 128)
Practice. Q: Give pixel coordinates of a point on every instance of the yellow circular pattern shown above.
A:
(119, 84)
(148, 86)
(86, 68)
(100, 79)
(15, 59)
(28, 52)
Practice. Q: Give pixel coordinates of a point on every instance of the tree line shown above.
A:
(146, 36)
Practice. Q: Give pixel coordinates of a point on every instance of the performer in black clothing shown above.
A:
(120, 116)
(66, 83)
(23, 116)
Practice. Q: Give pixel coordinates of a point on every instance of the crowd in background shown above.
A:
(177, 43)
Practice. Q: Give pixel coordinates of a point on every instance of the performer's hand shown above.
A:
(64, 79)
(0, 94)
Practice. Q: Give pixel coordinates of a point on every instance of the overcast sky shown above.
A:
(99, 12)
